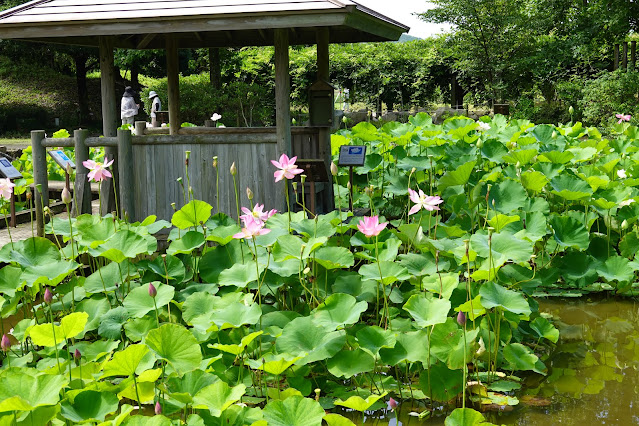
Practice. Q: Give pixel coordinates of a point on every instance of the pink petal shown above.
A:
(279, 175)
(415, 209)
(276, 164)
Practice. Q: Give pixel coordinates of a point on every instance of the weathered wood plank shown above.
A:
(173, 82)
(82, 188)
(40, 179)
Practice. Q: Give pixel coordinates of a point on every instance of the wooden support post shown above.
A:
(624, 56)
(323, 73)
(173, 81)
(125, 154)
(12, 208)
(615, 65)
(633, 55)
(282, 92)
(109, 118)
(82, 186)
(215, 72)
(40, 179)
(140, 128)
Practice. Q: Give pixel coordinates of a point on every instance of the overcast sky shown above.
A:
(402, 11)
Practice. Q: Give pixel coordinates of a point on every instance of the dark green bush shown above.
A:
(611, 93)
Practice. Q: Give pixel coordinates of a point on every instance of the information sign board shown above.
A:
(61, 158)
(352, 155)
(7, 169)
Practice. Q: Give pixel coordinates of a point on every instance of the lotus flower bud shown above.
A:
(249, 193)
(179, 180)
(173, 206)
(152, 291)
(333, 169)
(392, 404)
(624, 224)
(348, 185)
(293, 121)
(5, 344)
(69, 168)
(306, 270)
(215, 161)
(158, 408)
(571, 110)
(29, 195)
(233, 169)
(413, 170)
(66, 195)
(368, 191)
(77, 355)
(461, 318)
(480, 143)
(554, 135)
(48, 296)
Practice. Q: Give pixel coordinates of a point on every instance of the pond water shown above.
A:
(593, 375)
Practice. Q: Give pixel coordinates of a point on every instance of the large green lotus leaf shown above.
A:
(108, 276)
(410, 346)
(219, 258)
(302, 336)
(443, 284)
(534, 181)
(458, 176)
(493, 150)
(163, 268)
(192, 215)
(536, 227)
(138, 303)
(200, 303)
(137, 329)
(223, 234)
(23, 389)
(95, 308)
(70, 326)
(10, 280)
(558, 157)
(521, 156)
(126, 362)
(189, 242)
(441, 383)
(576, 268)
(373, 338)
(616, 268)
(39, 416)
(421, 264)
(504, 247)
(499, 221)
(235, 415)
(217, 397)
(235, 315)
(338, 310)
(288, 247)
(544, 329)
(177, 345)
(494, 295)
(239, 275)
(183, 388)
(294, 411)
(111, 323)
(507, 196)
(390, 272)
(628, 246)
(543, 133)
(472, 308)
(427, 311)
(348, 363)
(352, 283)
(522, 358)
(274, 364)
(465, 417)
(337, 420)
(89, 405)
(570, 187)
(239, 348)
(334, 257)
(93, 230)
(319, 227)
(569, 232)
(124, 245)
(360, 404)
(94, 351)
(147, 421)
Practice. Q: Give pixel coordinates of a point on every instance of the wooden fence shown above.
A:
(149, 166)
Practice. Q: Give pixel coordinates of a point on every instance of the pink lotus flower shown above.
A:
(623, 117)
(152, 290)
(5, 343)
(287, 166)
(252, 228)
(392, 403)
(158, 408)
(258, 214)
(420, 199)
(98, 171)
(6, 188)
(48, 296)
(370, 226)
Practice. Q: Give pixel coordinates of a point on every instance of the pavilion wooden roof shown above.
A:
(143, 24)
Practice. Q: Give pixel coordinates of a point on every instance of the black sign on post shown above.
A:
(61, 158)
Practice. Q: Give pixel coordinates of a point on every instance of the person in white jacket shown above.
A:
(128, 107)
(155, 106)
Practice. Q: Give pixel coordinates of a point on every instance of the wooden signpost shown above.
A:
(351, 156)
(65, 162)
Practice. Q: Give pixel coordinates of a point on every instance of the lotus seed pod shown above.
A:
(233, 169)
(413, 170)
(173, 206)
(249, 193)
(187, 154)
(295, 186)
(303, 178)
(158, 408)
(29, 195)
(152, 291)
(5, 344)
(317, 394)
(215, 161)
(48, 296)
(333, 169)
(66, 195)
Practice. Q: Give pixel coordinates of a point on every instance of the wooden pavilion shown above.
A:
(151, 170)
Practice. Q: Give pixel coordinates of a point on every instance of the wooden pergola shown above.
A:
(174, 24)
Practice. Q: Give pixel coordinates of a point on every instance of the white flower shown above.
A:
(215, 116)
(626, 202)
(6, 188)
(481, 126)
(622, 174)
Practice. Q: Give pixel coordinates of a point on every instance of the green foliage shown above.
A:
(609, 94)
